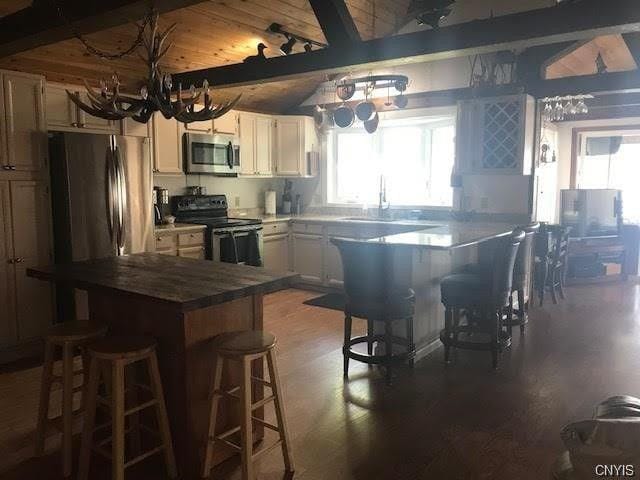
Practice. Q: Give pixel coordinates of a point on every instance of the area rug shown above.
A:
(332, 301)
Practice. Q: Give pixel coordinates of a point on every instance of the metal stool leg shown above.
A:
(345, 348)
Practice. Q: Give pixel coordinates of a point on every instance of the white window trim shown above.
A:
(330, 176)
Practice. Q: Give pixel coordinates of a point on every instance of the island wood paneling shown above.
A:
(209, 34)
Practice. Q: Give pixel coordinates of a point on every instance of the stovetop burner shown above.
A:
(221, 222)
(210, 210)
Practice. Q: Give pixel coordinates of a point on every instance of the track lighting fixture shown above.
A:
(287, 47)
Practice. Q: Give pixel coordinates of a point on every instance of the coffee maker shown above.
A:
(160, 202)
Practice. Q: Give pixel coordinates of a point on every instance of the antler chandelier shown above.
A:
(155, 95)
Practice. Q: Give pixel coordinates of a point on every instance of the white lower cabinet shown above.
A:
(308, 257)
(24, 243)
(276, 252)
(333, 264)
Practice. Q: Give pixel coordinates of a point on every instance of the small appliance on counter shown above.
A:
(160, 203)
(230, 240)
(269, 202)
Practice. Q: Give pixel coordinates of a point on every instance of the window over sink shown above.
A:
(414, 157)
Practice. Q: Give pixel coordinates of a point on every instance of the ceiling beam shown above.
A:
(336, 22)
(633, 42)
(42, 24)
(598, 83)
(532, 62)
(562, 23)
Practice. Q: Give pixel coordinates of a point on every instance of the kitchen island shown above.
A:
(184, 304)
(423, 257)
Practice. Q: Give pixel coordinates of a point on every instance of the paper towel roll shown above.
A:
(270, 202)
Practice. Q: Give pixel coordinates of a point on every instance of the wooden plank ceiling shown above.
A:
(582, 60)
(213, 33)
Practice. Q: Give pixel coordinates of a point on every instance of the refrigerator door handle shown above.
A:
(121, 201)
(111, 196)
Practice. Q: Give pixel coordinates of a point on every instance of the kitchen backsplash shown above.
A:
(242, 193)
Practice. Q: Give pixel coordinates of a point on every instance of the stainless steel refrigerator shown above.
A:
(101, 187)
(592, 212)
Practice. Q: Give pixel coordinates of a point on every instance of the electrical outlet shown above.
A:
(237, 202)
(484, 203)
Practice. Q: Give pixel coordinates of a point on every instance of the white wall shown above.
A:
(240, 192)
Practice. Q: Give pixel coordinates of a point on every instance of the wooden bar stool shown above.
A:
(245, 347)
(71, 338)
(112, 355)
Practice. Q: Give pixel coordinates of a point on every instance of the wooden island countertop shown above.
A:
(186, 283)
(184, 304)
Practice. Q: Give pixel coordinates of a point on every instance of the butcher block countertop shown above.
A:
(186, 283)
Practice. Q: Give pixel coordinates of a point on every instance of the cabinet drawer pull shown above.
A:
(6, 167)
(19, 260)
(11, 261)
(74, 124)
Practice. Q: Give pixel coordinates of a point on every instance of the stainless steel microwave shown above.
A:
(217, 154)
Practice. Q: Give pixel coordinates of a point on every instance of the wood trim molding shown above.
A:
(575, 140)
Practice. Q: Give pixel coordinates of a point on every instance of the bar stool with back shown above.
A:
(371, 295)
(522, 278)
(483, 298)
(71, 338)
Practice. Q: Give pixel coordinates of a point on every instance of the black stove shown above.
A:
(209, 210)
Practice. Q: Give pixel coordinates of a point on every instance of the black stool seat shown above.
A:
(468, 289)
(397, 305)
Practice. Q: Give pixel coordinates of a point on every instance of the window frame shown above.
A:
(331, 177)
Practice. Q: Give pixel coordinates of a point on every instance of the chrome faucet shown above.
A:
(382, 198)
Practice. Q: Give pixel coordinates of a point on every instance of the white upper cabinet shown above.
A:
(205, 127)
(131, 128)
(264, 145)
(167, 145)
(247, 135)
(228, 123)
(500, 135)
(25, 129)
(89, 122)
(63, 114)
(296, 147)
(256, 144)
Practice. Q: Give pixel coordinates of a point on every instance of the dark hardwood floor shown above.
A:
(460, 421)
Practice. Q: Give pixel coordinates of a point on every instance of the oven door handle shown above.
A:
(236, 232)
